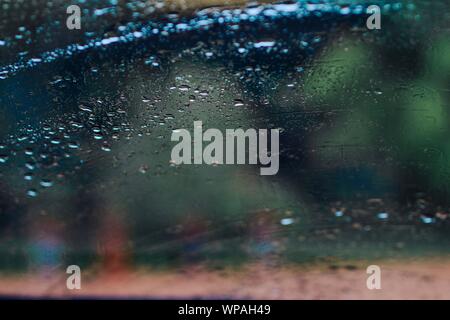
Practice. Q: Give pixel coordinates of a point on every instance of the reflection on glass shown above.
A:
(87, 115)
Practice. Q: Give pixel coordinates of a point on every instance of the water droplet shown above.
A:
(427, 220)
(55, 141)
(238, 103)
(98, 136)
(29, 151)
(143, 169)
(85, 108)
(46, 183)
(32, 193)
(339, 213)
(30, 165)
(3, 158)
(264, 44)
(73, 145)
(286, 221)
(382, 215)
(106, 148)
(184, 87)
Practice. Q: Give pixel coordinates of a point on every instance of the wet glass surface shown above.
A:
(87, 116)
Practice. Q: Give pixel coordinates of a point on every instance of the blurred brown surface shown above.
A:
(414, 280)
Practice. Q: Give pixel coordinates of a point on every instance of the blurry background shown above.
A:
(87, 116)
